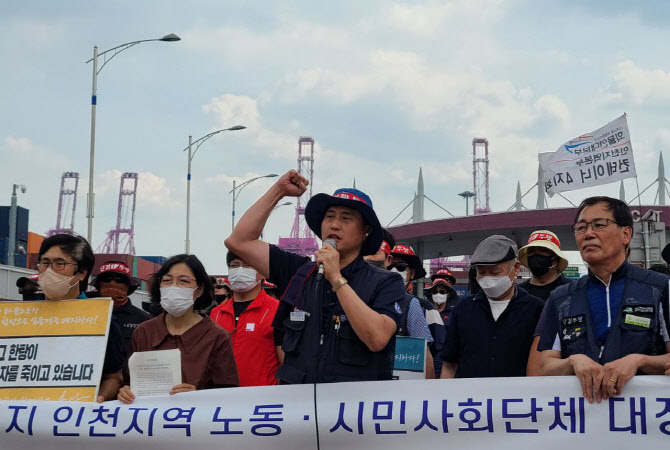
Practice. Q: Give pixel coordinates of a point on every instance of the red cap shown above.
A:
(351, 196)
(540, 236)
(403, 249)
(117, 267)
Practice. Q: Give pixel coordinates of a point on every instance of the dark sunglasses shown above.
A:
(399, 266)
(440, 291)
(116, 278)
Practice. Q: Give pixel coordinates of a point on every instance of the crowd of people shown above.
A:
(282, 318)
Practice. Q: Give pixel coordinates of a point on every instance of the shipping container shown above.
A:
(145, 269)
(160, 260)
(34, 242)
(21, 223)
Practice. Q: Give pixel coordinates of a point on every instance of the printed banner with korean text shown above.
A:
(599, 157)
(52, 350)
(503, 413)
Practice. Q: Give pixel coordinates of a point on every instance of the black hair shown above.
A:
(230, 257)
(76, 247)
(201, 277)
(388, 237)
(618, 208)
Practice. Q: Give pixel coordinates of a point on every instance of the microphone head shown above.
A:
(331, 242)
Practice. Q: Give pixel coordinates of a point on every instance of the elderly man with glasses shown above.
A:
(613, 323)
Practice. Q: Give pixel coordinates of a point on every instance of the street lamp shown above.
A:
(191, 155)
(94, 101)
(467, 195)
(240, 187)
(11, 247)
(274, 209)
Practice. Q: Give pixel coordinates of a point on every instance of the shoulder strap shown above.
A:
(296, 284)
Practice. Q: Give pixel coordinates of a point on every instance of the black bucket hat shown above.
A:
(116, 267)
(352, 198)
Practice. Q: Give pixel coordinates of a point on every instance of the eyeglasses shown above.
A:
(182, 281)
(399, 266)
(598, 224)
(440, 291)
(58, 264)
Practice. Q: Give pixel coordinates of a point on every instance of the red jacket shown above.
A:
(253, 339)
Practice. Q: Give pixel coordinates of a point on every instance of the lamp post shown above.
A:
(90, 203)
(235, 193)
(191, 155)
(11, 246)
(274, 209)
(467, 195)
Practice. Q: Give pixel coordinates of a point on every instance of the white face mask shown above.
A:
(55, 285)
(242, 279)
(177, 300)
(403, 274)
(494, 287)
(440, 299)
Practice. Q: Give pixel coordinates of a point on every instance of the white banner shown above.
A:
(515, 413)
(599, 157)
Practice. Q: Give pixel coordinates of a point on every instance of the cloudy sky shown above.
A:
(383, 87)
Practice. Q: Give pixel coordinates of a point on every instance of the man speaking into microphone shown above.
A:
(337, 326)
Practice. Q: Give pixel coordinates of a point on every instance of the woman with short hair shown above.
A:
(182, 286)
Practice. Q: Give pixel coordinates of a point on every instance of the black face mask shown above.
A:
(540, 264)
(379, 264)
(218, 298)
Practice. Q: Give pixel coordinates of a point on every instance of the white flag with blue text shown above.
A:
(599, 157)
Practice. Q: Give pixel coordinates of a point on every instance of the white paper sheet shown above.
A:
(155, 372)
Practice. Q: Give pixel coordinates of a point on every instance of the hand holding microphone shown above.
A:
(333, 244)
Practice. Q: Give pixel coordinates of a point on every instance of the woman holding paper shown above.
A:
(182, 286)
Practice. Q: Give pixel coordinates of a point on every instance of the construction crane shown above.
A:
(301, 240)
(123, 236)
(67, 204)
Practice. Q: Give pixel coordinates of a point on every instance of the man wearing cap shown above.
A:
(338, 325)
(613, 322)
(410, 267)
(248, 319)
(29, 288)
(546, 262)
(114, 281)
(442, 293)
(412, 319)
(491, 335)
(543, 256)
(444, 297)
(222, 293)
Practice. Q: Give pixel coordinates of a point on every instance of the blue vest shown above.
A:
(634, 329)
(324, 351)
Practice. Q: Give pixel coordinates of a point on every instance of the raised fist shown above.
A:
(292, 184)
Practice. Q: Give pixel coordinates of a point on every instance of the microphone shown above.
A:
(333, 244)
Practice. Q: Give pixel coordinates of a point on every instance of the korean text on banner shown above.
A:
(410, 358)
(53, 350)
(503, 413)
(599, 157)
